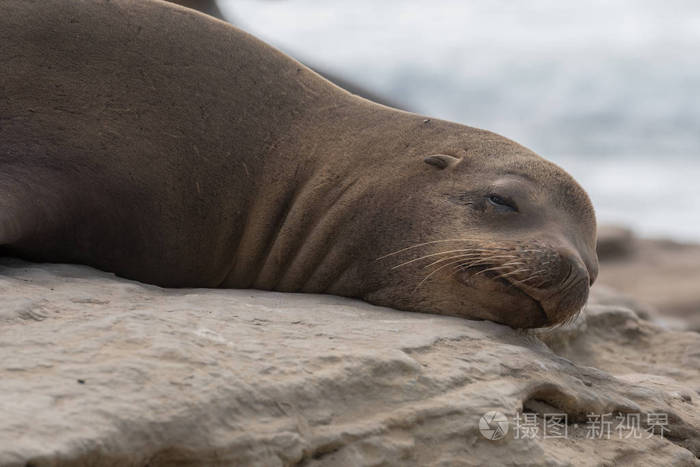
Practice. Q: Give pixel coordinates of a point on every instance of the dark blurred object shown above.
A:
(614, 242)
(357, 89)
(205, 6)
(663, 273)
(210, 7)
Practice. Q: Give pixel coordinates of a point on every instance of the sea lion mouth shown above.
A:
(484, 279)
(543, 314)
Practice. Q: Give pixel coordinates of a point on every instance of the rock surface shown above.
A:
(96, 370)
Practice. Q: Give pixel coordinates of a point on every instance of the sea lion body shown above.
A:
(171, 148)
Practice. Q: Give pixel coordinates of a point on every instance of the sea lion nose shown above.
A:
(578, 269)
(569, 293)
(577, 265)
(592, 271)
(587, 262)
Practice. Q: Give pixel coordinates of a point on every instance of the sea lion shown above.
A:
(149, 140)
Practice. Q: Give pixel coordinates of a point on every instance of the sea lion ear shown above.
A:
(442, 161)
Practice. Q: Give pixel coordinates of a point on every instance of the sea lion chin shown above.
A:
(148, 140)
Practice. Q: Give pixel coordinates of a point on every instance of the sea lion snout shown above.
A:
(533, 283)
(564, 297)
(572, 274)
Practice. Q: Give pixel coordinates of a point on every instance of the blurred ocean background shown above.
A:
(609, 90)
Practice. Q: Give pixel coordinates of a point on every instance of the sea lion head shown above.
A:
(487, 229)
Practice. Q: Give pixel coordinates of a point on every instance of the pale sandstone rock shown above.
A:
(96, 370)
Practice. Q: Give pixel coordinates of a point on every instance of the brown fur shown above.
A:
(148, 140)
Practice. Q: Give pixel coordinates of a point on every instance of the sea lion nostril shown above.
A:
(574, 266)
(592, 273)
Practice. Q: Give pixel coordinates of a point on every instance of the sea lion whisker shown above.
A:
(433, 272)
(465, 256)
(491, 260)
(569, 277)
(422, 244)
(511, 273)
(505, 270)
(530, 278)
(428, 256)
(513, 263)
(468, 264)
(494, 268)
(518, 282)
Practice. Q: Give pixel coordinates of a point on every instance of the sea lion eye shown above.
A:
(502, 203)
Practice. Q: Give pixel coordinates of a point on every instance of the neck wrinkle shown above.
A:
(297, 228)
